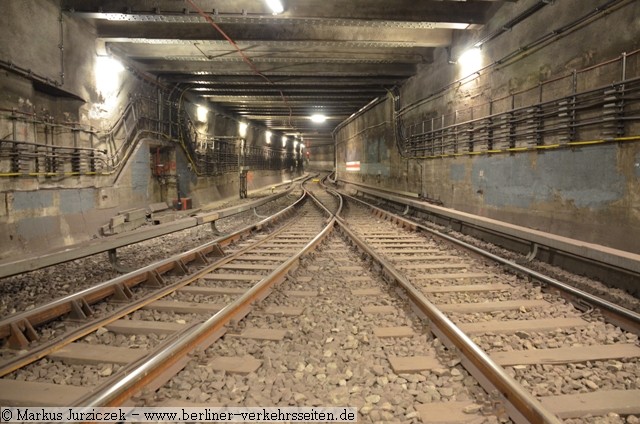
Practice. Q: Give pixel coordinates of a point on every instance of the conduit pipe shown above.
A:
(548, 36)
(246, 59)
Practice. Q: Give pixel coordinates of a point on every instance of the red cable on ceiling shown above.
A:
(248, 61)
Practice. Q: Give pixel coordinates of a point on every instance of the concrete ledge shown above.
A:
(92, 247)
(617, 258)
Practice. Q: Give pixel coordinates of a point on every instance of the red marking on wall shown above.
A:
(353, 166)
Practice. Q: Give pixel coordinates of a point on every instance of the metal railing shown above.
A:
(212, 155)
(53, 149)
(525, 121)
(38, 147)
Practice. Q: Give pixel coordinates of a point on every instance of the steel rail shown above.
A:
(321, 205)
(521, 405)
(14, 325)
(159, 366)
(627, 319)
(333, 192)
(58, 343)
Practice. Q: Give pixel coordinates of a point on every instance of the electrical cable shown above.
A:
(245, 58)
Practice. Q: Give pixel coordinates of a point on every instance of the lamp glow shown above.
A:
(275, 6)
(302, 146)
(470, 60)
(201, 113)
(284, 141)
(107, 74)
(318, 118)
(108, 65)
(242, 129)
(295, 144)
(267, 136)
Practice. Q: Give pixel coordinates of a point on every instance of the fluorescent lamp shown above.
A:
(284, 141)
(242, 128)
(201, 113)
(267, 136)
(318, 118)
(275, 6)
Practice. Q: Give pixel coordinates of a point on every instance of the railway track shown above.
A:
(338, 331)
(39, 286)
(146, 309)
(558, 354)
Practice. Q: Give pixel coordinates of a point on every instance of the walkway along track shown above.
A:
(110, 244)
(619, 269)
(424, 269)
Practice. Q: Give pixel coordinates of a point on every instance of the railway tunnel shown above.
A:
(160, 161)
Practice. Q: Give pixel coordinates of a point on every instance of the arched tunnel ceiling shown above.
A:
(324, 56)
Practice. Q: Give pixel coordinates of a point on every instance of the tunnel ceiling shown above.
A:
(319, 56)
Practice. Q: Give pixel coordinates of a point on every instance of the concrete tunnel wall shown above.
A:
(41, 213)
(590, 193)
(321, 157)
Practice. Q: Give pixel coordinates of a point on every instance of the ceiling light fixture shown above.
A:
(318, 118)
(201, 113)
(470, 58)
(107, 72)
(242, 129)
(276, 6)
(109, 64)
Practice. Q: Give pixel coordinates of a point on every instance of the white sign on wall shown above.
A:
(353, 166)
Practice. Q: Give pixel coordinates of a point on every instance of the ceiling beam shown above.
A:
(327, 56)
(291, 91)
(178, 50)
(245, 35)
(308, 68)
(282, 81)
(471, 12)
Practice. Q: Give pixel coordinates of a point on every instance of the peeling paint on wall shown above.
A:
(34, 228)
(107, 198)
(3, 204)
(594, 181)
(185, 176)
(24, 200)
(375, 169)
(372, 149)
(140, 170)
(76, 200)
(376, 157)
(457, 172)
